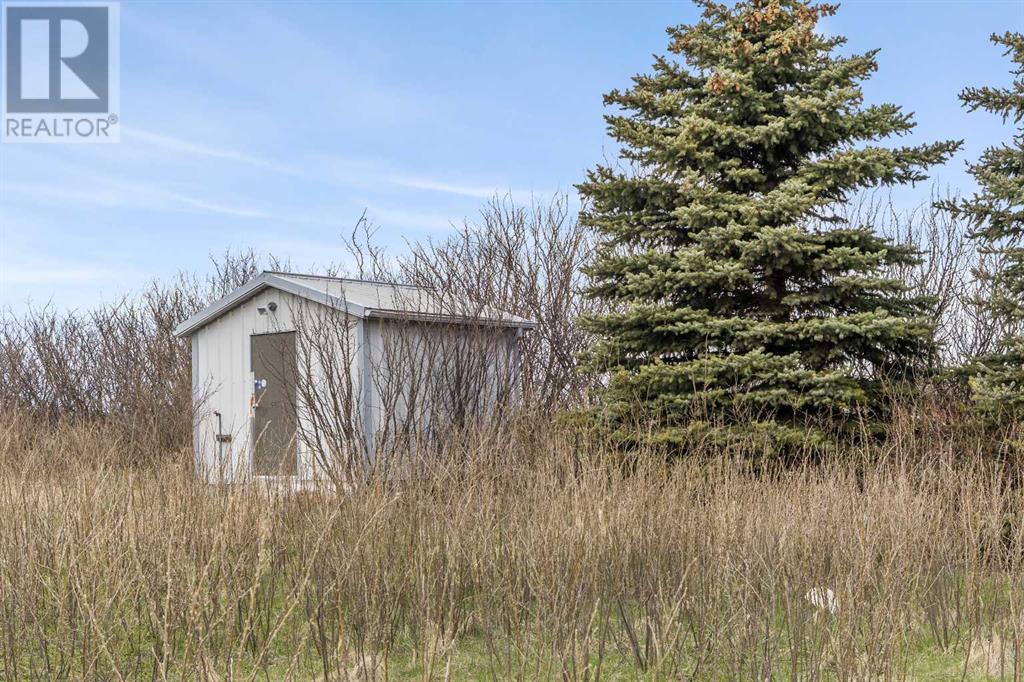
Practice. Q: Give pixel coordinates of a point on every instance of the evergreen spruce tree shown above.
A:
(736, 291)
(996, 212)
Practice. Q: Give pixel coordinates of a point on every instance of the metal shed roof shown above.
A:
(360, 298)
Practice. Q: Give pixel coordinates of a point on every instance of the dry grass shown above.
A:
(517, 556)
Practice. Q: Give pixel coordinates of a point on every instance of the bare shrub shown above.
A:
(330, 399)
(521, 259)
(373, 393)
(952, 272)
(118, 362)
(433, 378)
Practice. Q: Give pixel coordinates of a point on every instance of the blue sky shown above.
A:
(275, 125)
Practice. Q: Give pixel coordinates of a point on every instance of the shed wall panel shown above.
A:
(223, 380)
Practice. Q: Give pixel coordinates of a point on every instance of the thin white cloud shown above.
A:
(296, 252)
(179, 145)
(95, 197)
(22, 275)
(392, 218)
(221, 209)
(479, 192)
(475, 191)
(357, 172)
(125, 195)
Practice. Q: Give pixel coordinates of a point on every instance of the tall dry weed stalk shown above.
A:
(511, 555)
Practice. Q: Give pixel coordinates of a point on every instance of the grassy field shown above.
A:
(520, 555)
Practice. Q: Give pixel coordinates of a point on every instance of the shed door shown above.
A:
(274, 422)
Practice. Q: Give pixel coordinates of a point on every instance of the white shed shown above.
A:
(294, 374)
